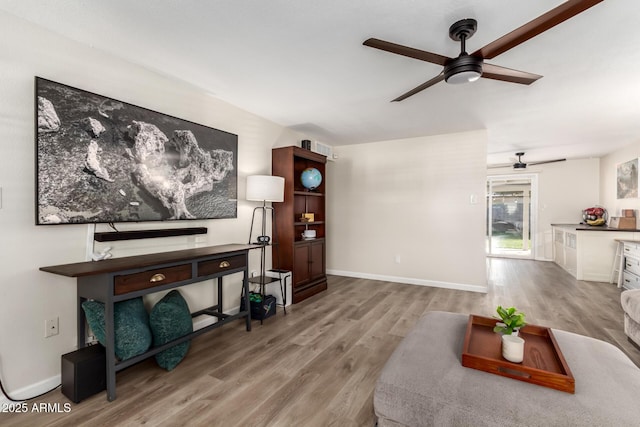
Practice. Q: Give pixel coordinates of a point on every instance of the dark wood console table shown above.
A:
(119, 279)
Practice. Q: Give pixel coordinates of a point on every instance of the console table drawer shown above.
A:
(148, 279)
(206, 268)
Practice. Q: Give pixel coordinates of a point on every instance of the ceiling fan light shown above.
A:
(463, 77)
(463, 69)
(474, 77)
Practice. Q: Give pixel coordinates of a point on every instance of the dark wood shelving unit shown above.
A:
(304, 258)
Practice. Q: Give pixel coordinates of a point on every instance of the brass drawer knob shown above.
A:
(224, 264)
(159, 277)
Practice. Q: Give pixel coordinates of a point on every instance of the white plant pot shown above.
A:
(516, 331)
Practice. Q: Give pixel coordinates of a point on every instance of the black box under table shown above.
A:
(262, 306)
(84, 372)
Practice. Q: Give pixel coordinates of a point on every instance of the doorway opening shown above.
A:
(511, 212)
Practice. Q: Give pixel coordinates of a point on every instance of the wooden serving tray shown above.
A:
(543, 362)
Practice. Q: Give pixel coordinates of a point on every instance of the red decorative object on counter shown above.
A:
(595, 216)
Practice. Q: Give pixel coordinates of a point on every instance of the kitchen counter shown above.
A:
(586, 227)
(588, 252)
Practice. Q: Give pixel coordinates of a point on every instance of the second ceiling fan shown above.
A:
(519, 164)
(469, 67)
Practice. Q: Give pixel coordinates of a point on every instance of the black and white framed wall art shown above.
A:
(100, 160)
(627, 180)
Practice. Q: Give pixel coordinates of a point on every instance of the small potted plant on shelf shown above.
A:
(511, 321)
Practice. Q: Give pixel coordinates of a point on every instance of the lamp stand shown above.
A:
(262, 280)
(260, 239)
(264, 208)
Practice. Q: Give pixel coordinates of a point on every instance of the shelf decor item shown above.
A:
(311, 178)
(307, 217)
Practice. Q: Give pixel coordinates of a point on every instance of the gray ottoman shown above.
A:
(630, 301)
(425, 384)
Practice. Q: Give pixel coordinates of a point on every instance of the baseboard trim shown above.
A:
(32, 390)
(44, 386)
(4, 402)
(596, 278)
(411, 281)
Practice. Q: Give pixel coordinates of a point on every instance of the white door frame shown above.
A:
(533, 179)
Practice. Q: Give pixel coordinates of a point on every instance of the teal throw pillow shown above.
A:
(169, 319)
(131, 326)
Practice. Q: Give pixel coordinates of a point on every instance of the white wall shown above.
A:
(400, 210)
(564, 190)
(608, 172)
(30, 363)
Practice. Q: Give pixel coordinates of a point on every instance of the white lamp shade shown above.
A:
(265, 188)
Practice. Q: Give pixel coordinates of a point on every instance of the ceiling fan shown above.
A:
(521, 165)
(470, 67)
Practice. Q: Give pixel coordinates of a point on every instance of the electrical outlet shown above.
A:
(51, 327)
(398, 258)
(254, 273)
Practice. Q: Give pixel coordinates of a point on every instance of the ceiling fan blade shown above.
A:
(501, 165)
(539, 25)
(422, 55)
(547, 161)
(495, 72)
(423, 86)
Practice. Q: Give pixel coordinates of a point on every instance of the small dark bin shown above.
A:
(84, 372)
(262, 306)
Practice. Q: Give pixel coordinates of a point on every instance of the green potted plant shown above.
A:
(511, 320)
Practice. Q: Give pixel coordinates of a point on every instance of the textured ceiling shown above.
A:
(303, 65)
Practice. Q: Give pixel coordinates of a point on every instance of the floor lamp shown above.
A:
(264, 188)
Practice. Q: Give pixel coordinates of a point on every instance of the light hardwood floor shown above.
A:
(317, 366)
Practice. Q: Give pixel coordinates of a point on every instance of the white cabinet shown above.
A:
(631, 263)
(558, 246)
(565, 253)
(588, 253)
(571, 253)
